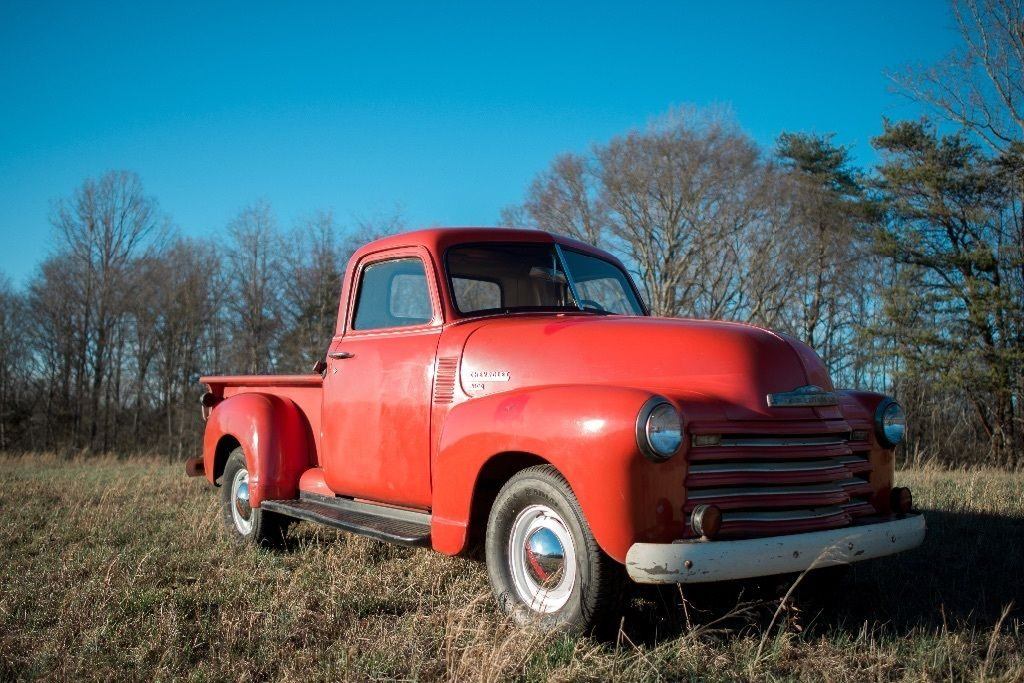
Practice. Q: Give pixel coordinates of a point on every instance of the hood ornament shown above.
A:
(802, 397)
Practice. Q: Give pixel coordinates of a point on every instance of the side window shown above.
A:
(392, 294)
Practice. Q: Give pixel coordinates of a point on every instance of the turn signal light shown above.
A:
(706, 521)
(901, 500)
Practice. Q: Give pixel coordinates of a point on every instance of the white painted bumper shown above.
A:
(705, 561)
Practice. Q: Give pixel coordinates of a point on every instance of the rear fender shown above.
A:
(275, 437)
(588, 433)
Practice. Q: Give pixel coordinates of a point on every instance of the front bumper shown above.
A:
(706, 561)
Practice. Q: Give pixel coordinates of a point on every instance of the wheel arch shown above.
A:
(274, 435)
(586, 432)
(493, 475)
(225, 447)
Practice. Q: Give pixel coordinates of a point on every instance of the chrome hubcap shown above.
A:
(241, 511)
(542, 559)
(545, 557)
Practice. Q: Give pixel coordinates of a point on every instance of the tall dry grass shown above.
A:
(118, 569)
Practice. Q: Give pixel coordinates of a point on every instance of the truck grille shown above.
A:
(767, 485)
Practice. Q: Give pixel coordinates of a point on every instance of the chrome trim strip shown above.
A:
(759, 442)
(805, 396)
(797, 466)
(754, 491)
(783, 516)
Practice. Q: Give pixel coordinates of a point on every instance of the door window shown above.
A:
(392, 293)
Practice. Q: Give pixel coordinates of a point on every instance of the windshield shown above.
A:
(532, 277)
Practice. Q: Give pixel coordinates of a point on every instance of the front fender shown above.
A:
(275, 438)
(859, 410)
(588, 433)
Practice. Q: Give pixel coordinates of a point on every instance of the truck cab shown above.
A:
(509, 387)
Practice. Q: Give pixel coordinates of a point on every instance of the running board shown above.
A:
(366, 519)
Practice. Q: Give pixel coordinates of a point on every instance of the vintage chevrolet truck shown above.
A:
(509, 387)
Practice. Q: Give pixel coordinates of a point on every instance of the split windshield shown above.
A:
(489, 278)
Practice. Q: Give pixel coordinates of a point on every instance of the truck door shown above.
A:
(377, 387)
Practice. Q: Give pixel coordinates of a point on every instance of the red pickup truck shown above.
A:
(510, 387)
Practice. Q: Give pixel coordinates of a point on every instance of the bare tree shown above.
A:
(253, 298)
(313, 268)
(53, 327)
(981, 86)
(102, 228)
(827, 215)
(368, 227)
(564, 198)
(188, 311)
(14, 360)
(679, 201)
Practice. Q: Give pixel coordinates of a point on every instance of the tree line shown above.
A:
(103, 349)
(906, 277)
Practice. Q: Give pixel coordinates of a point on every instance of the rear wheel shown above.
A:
(245, 523)
(542, 560)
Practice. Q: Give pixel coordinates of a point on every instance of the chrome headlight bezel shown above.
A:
(654, 409)
(887, 437)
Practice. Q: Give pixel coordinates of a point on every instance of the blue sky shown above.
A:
(446, 110)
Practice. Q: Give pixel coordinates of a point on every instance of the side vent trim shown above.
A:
(444, 379)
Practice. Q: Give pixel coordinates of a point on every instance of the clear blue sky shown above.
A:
(447, 110)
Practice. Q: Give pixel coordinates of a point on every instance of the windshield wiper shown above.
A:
(590, 309)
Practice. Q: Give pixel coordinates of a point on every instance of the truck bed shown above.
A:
(222, 382)
(306, 391)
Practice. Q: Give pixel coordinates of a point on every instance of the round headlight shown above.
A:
(659, 429)
(890, 423)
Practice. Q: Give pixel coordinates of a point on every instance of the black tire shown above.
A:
(265, 528)
(597, 580)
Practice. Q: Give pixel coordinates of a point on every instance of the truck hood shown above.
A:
(733, 366)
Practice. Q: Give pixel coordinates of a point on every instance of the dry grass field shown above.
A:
(118, 569)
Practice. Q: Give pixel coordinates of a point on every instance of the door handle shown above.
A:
(340, 355)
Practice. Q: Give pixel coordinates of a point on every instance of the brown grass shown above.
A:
(115, 569)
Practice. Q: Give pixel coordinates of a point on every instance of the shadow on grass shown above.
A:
(964, 574)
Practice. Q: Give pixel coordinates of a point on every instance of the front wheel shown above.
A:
(245, 523)
(542, 560)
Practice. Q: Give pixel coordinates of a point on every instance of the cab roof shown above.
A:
(437, 240)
